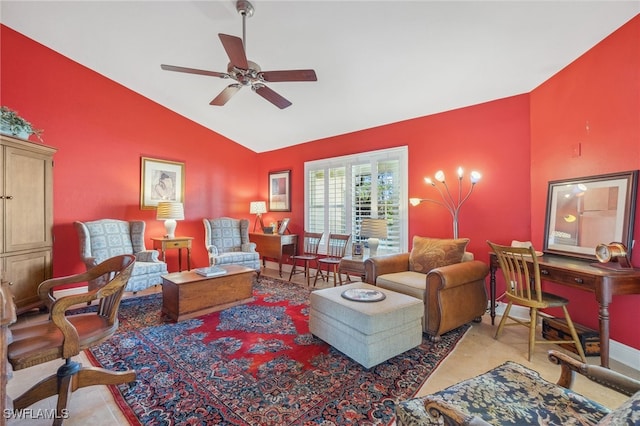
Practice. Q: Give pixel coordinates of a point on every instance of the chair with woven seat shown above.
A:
(311, 243)
(66, 335)
(523, 288)
(337, 247)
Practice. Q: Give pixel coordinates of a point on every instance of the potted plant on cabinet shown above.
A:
(13, 125)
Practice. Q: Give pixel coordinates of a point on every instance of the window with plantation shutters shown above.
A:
(341, 191)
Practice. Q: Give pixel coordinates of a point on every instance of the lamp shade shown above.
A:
(258, 207)
(170, 210)
(373, 228)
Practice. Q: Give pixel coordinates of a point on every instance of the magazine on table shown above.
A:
(210, 271)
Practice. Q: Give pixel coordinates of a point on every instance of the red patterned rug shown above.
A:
(254, 364)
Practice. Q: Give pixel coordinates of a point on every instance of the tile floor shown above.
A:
(476, 353)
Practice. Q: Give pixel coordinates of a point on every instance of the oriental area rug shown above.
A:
(254, 364)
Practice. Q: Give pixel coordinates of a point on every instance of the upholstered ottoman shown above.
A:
(367, 332)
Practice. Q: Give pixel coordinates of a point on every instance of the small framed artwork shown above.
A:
(160, 180)
(282, 228)
(280, 191)
(357, 249)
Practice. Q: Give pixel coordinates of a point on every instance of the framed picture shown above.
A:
(160, 180)
(280, 191)
(587, 211)
(357, 249)
(282, 225)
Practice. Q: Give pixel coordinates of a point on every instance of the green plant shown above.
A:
(14, 124)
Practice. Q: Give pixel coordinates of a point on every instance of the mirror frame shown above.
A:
(625, 182)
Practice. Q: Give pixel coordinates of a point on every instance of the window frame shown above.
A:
(401, 154)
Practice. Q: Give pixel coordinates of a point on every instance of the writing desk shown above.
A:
(582, 275)
(274, 246)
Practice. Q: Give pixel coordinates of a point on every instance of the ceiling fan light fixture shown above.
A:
(245, 72)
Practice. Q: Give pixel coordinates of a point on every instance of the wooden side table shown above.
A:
(275, 246)
(351, 265)
(164, 244)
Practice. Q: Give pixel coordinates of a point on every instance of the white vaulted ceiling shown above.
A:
(377, 62)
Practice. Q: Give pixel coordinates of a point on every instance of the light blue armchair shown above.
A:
(105, 238)
(227, 242)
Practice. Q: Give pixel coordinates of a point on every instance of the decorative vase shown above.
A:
(5, 129)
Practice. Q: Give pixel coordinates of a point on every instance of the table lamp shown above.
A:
(374, 229)
(257, 208)
(170, 211)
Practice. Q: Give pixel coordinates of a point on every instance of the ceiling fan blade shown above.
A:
(271, 96)
(235, 50)
(289, 75)
(193, 71)
(225, 95)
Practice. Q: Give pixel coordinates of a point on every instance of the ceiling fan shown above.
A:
(244, 72)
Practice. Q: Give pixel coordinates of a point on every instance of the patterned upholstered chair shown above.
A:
(105, 238)
(512, 394)
(227, 242)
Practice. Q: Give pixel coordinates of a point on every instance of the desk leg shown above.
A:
(188, 258)
(603, 317)
(179, 260)
(492, 290)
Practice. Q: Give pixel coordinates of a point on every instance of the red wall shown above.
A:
(517, 143)
(101, 129)
(593, 102)
(492, 138)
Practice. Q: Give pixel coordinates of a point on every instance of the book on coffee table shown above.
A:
(210, 271)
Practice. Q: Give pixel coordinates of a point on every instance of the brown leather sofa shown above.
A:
(453, 295)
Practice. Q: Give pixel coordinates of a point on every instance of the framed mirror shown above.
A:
(587, 211)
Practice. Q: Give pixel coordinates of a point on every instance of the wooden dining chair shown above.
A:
(309, 255)
(65, 335)
(337, 247)
(523, 288)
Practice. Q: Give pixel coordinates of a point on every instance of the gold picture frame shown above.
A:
(160, 180)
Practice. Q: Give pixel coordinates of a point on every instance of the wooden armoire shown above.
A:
(26, 214)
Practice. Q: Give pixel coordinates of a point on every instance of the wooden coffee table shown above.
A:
(187, 295)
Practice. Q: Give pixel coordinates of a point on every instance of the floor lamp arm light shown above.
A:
(448, 201)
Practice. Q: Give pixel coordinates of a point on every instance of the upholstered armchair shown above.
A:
(105, 238)
(514, 394)
(227, 242)
(441, 274)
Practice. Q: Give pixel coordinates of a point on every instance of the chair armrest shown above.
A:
(148, 256)
(90, 262)
(380, 265)
(249, 247)
(212, 250)
(604, 376)
(450, 414)
(459, 273)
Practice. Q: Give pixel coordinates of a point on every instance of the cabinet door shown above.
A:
(28, 202)
(26, 272)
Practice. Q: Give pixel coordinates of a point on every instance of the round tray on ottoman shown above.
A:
(368, 333)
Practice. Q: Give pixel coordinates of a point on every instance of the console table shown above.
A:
(166, 243)
(582, 275)
(274, 246)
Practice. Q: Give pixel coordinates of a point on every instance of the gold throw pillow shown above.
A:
(430, 253)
